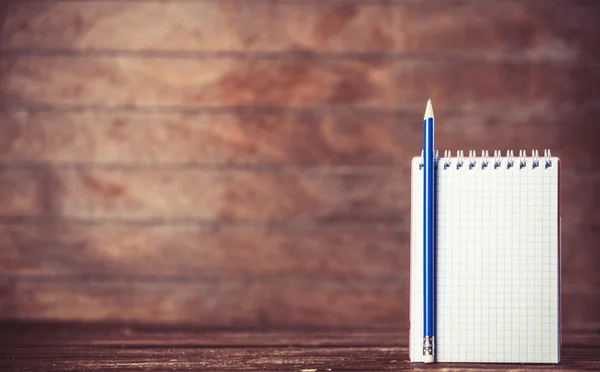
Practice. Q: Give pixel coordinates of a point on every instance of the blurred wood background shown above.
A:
(246, 163)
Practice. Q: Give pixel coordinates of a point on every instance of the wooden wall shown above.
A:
(246, 163)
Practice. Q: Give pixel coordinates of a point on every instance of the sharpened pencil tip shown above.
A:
(428, 110)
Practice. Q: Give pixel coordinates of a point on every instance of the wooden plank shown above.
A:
(206, 194)
(295, 83)
(372, 251)
(293, 195)
(189, 82)
(153, 348)
(63, 300)
(140, 138)
(49, 333)
(577, 201)
(185, 26)
(549, 29)
(580, 258)
(580, 308)
(475, 84)
(240, 303)
(184, 251)
(185, 138)
(534, 29)
(217, 303)
(569, 134)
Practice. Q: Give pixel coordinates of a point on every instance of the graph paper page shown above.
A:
(497, 263)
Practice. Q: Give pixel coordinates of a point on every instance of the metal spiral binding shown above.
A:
(447, 156)
(536, 158)
(447, 160)
(460, 159)
(484, 159)
(547, 160)
(497, 160)
(522, 159)
(510, 159)
(472, 160)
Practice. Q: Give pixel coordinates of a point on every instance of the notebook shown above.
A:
(497, 259)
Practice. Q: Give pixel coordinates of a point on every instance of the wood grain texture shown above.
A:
(286, 302)
(123, 347)
(128, 334)
(579, 307)
(476, 84)
(174, 251)
(213, 303)
(188, 251)
(578, 198)
(297, 83)
(580, 257)
(234, 194)
(363, 139)
(534, 30)
(189, 82)
(133, 188)
(191, 193)
(538, 30)
(187, 138)
(200, 26)
(526, 130)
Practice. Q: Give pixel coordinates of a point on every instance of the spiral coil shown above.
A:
(483, 161)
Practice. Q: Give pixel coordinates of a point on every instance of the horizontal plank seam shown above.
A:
(547, 3)
(244, 280)
(320, 169)
(289, 227)
(522, 57)
(141, 329)
(403, 282)
(270, 347)
(482, 110)
(395, 225)
(12, 105)
(579, 288)
(279, 223)
(316, 170)
(313, 168)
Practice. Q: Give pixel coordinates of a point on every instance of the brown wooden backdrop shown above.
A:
(246, 163)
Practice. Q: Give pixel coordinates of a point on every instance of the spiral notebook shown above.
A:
(497, 259)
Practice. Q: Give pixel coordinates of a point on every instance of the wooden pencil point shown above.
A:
(428, 110)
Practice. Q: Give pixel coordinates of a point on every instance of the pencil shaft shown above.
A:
(428, 223)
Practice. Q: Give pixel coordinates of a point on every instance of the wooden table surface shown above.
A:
(114, 347)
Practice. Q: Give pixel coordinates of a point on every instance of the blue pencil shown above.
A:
(428, 237)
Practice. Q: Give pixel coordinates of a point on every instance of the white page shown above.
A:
(497, 262)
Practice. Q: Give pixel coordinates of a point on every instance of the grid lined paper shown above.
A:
(497, 262)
